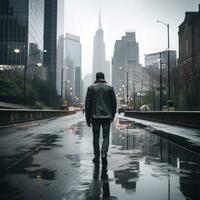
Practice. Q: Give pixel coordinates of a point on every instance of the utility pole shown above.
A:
(169, 67)
(141, 91)
(153, 96)
(161, 89)
(134, 103)
(127, 87)
(168, 55)
(61, 101)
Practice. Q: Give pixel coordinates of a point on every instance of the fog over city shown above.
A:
(99, 99)
(81, 18)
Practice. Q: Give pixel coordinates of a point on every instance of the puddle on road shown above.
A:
(142, 166)
(151, 163)
(43, 173)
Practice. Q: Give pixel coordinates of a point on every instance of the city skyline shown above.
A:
(81, 18)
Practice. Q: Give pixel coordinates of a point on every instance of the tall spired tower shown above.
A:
(99, 62)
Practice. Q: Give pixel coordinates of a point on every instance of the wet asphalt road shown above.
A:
(52, 159)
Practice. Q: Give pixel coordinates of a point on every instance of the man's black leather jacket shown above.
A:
(100, 101)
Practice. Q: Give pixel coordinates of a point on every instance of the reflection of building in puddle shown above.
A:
(177, 160)
(151, 145)
(189, 186)
(124, 124)
(166, 159)
(127, 177)
(127, 139)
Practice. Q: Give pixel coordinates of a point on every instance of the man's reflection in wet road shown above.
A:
(99, 188)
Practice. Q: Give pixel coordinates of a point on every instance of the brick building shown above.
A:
(189, 59)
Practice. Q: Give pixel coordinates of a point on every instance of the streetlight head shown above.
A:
(162, 23)
(17, 50)
(39, 64)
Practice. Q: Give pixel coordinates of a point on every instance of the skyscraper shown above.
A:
(72, 64)
(153, 62)
(21, 34)
(87, 81)
(53, 31)
(99, 60)
(125, 65)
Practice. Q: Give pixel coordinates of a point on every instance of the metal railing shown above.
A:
(180, 118)
(12, 116)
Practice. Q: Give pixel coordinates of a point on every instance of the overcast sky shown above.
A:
(119, 16)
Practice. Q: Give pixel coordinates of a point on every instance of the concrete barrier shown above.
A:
(181, 118)
(12, 116)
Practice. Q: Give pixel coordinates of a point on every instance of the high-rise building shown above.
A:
(60, 63)
(153, 59)
(189, 59)
(153, 62)
(72, 65)
(126, 70)
(53, 32)
(21, 35)
(99, 60)
(87, 81)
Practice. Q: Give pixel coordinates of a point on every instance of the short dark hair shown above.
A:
(100, 75)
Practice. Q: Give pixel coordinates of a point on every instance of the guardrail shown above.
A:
(12, 116)
(181, 118)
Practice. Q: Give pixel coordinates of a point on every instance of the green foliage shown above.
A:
(39, 93)
(10, 89)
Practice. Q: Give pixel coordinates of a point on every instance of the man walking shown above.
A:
(100, 109)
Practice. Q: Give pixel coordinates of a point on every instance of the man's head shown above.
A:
(100, 75)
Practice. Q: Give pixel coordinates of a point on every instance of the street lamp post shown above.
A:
(127, 87)
(161, 84)
(126, 84)
(134, 95)
(123, 94)
(17, 51)
(61, 102)
(168, 55)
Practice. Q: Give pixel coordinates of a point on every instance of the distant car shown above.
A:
(122, 108)
(71, 109)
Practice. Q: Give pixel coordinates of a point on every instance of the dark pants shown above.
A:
(96, 124)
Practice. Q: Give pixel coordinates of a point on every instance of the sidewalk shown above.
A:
(177, 134)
